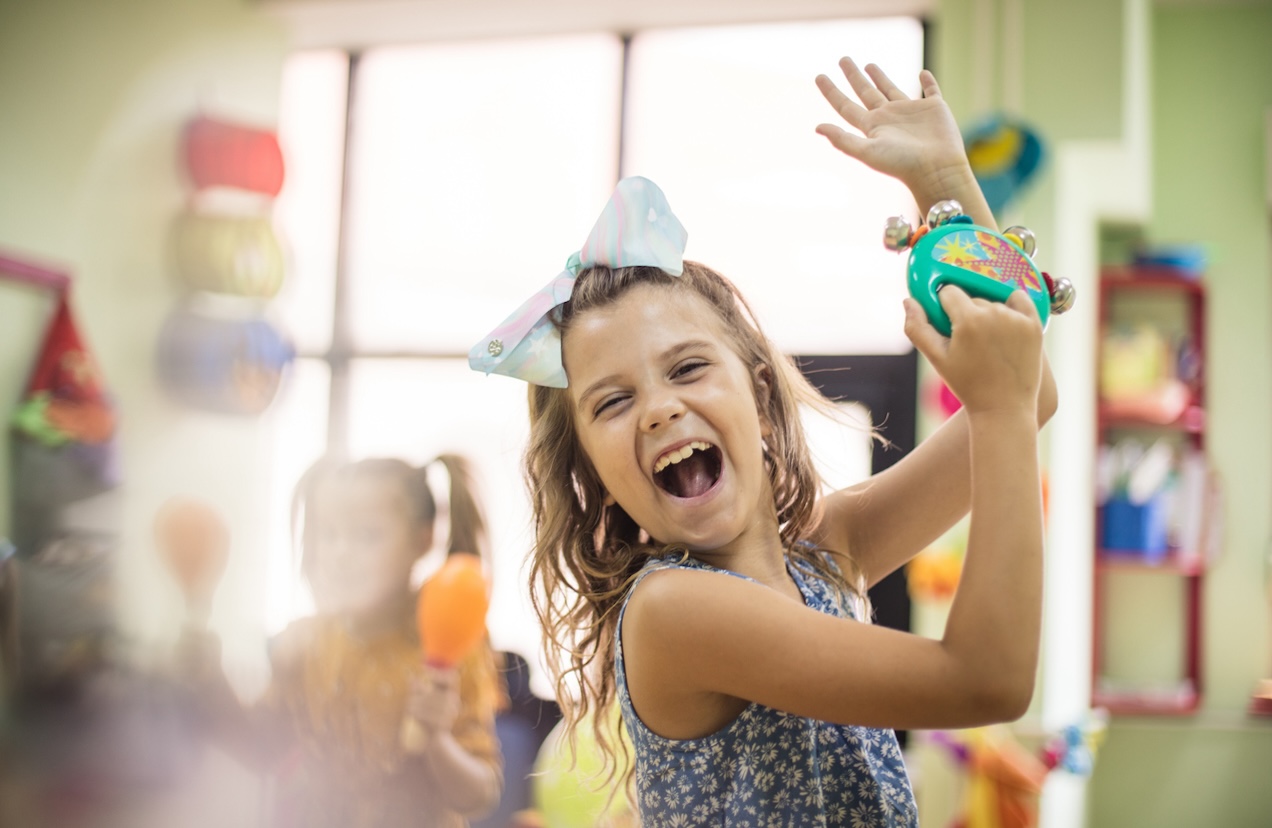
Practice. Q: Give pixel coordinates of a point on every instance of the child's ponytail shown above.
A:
(467, 520)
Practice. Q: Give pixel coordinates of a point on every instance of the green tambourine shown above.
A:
(950, 250)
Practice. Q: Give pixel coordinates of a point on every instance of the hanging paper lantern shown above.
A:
(224, 365)
(239, 255)
(222, 154)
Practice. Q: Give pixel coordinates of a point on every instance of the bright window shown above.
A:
(475, 169)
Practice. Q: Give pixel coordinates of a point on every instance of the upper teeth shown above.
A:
(673, 457)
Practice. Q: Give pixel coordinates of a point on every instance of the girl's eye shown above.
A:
(686, 368)
(608, 402)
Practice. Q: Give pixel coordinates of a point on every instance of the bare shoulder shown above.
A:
(680, 624)
(668, 603)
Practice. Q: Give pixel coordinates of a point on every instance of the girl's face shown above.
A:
(666, 412)
(363, 544)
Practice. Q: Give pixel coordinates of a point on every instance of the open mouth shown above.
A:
(689, 471)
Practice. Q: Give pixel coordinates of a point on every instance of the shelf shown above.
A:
(1192, 421)
(1151, 278)
(1174, 301)
(1181, 701)
(1173, 561)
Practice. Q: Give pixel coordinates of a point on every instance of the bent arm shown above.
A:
(470, 784)
(883, 522)
(463, 759)
(722, 636)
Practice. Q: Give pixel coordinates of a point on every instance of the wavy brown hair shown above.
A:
(587, 553)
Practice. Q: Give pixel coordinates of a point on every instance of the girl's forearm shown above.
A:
(471, 786)
(995, 622)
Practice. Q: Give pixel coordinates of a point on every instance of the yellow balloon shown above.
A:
(569, 788)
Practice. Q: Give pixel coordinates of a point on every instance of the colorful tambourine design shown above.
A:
(950, 250)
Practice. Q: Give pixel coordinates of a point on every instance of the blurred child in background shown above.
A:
(345, 679)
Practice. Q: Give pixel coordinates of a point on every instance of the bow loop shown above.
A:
(636, 228)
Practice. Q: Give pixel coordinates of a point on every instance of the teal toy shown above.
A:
(950, 250)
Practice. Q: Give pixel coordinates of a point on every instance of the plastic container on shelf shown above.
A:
(1136, 528)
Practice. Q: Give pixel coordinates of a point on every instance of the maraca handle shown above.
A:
(412, 737)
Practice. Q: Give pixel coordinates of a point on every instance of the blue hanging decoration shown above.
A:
(1005, 155)
(222, 365)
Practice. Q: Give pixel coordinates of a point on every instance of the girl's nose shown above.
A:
(662, 410)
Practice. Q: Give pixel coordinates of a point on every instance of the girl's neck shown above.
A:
(761, 559)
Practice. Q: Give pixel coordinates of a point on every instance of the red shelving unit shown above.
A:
(1171, 696)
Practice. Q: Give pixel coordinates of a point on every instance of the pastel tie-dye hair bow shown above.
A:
(636, 228)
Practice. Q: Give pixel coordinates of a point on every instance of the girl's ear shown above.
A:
(762, 377)
(609, 499)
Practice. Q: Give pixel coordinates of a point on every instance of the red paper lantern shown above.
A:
(222, 154)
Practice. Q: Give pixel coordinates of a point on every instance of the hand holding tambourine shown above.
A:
(985, 264)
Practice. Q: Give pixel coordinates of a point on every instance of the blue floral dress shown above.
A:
(768, 768)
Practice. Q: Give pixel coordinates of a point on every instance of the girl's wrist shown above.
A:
(952, 180)
(1005, 419)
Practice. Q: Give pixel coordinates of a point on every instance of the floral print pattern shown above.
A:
(767, 768)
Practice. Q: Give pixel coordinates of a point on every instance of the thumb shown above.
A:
(926, 339)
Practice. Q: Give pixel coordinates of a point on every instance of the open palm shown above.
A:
(915, 141)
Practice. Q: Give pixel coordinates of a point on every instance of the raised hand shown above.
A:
(915, 141)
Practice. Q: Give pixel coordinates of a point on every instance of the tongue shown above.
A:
(690, 477)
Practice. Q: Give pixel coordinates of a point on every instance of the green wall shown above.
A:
(1212, 84)
(1211, 79)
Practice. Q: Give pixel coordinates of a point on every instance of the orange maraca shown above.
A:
(194, 542)
(451, 617)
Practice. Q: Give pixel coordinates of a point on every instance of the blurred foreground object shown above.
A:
(194, 542)
(1004, 780)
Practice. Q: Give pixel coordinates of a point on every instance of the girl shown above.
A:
(685, 566)
(344, 679)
